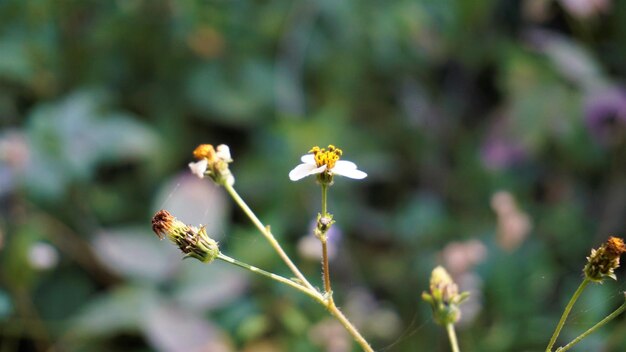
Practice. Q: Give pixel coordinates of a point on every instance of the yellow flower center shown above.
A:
(326, 157)
(204, 151)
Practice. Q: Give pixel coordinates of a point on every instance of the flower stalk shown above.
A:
(322, 229)
(600, 324)
(265, 231)
(214, 163)
(454, 344)
(313, 293)
(566, 312)
(601, 263)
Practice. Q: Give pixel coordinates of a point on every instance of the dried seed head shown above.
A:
(603, 261)
(192, 241)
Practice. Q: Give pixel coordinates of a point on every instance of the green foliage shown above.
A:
(442, 103)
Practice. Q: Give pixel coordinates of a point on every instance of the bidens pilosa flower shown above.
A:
(325, 163)
(213, 163)
(192, 241)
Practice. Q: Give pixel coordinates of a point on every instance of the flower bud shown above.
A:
(444, 297)
(192, 241)
(322, 226)
(603, 261)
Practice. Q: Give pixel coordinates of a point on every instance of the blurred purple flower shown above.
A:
(309, 246)
(605, 114)
(498, 153)
(586, 8)
(14, 157)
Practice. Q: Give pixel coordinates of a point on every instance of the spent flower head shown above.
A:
(444, 297)
(192, 241)
(213, 162)
(325, 163)
(603, 261)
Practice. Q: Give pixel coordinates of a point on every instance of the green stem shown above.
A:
(566, 312)
(268, 235)
(324, 197)
(332, 308)
(610, 317)
(304, 285)
(272, 276)
(452, 336)
(323, 239)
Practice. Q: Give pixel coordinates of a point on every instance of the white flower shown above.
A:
(223, 152)
(326, 162)
(199, 168)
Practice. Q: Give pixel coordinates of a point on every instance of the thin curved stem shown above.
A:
(566, 312)
(272, 276)
(452, 336)
(600, 324)
(332, 308)
(304, 285)
(268, 235)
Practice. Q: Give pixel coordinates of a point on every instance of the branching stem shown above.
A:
(600, 324)
(566, 312)
(268, 235)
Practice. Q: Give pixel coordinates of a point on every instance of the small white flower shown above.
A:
(223, 152)
(323, 160)
(199, 168)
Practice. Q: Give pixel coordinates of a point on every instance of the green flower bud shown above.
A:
(444, 297)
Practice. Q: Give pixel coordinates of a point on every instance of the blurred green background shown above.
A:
(493, 133)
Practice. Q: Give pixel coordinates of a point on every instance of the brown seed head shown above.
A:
(604, 260)
(615, 246)
(162, 222)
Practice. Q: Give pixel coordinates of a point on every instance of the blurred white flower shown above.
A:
(223, 152)
(325, 161)
(514, 225)
(43, 256)
(199, 167)
(461, 257)
(586, 8)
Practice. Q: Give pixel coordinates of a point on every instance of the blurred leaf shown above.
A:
(68, 138)
(237, 98)
(14, 61)
(207, 287)
(170, 328)
(423, 215)
(6, 306)
(120, 310)
(569, 58)
(137, 253)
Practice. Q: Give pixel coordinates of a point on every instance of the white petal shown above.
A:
(346, 169)
(223, 152)
(308, 159)
(345, 165)
(303, 170)
(199, 168)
